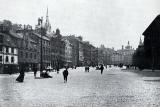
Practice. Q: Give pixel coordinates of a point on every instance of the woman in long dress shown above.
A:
(20, 78)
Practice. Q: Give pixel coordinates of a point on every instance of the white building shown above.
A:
(8, 54)
(68, 52)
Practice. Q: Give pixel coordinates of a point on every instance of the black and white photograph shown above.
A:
(79, 53)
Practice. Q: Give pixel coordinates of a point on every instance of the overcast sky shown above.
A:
(108, 22)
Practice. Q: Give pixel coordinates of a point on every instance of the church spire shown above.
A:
(47, 24)
(47, 18)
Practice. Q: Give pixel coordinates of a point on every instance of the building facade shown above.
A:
(8, 50)
(57, 50)
(151, 44)
(127, 53)
(68, 52)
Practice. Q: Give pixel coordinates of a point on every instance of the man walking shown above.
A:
(101, 68)
(65, 74)
(35, 71)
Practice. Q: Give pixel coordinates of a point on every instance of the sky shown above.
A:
(109, 22)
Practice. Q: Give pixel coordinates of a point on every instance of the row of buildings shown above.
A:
(23, 45)
(109, 56)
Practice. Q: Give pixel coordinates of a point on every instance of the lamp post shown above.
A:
(40, 22)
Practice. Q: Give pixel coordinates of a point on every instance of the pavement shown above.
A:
(114, 88)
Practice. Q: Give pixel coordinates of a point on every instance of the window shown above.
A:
(1, 39)
(26, 55)
(6, 58)
(30, 55)
(21, 54)
(12, 59)
(1, 48)
(12, 50)
(0, 58)
(7, 49)
(34, 56)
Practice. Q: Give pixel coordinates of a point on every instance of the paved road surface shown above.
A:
(115, 88)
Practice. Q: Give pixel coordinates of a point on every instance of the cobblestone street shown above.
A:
(114, 88)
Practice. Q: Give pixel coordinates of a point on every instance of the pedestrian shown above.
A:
(65, 74)
(35, 71)
(20, 78)
(101, 68)
(57, 70)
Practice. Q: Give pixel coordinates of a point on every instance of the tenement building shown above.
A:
(8, 49)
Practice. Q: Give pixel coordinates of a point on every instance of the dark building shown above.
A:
(94, 56)
(87, 53)
(8, 49)
(139, 57)
(46, 47)
(27, 46)
(57, 50)
(151, 44)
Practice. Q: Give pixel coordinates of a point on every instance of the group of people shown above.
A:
(100, 68)
(20, 78)
(23, 69)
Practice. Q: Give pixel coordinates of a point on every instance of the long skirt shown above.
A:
(20, 78)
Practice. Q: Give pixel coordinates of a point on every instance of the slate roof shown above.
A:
(44, 37)
(154, 27)
(16, 35)
(7, 40)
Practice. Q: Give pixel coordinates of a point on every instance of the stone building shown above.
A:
(8, 49)
(46, 49)
(86, 53)
(127, 53)
(81, 54)
(68, 52)
(57, 50)
(75, 48)
(151, 44)
(94, 56)
(117, 58)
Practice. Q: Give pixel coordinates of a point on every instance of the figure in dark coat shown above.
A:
(101, 68)
(20, 78)
(35, 71)
(65, 74)
(57, 69)
(86, 68)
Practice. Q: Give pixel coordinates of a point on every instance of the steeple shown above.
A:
(47, 24)
(47, 18)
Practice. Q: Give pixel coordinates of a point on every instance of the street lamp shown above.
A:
(40, 22)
